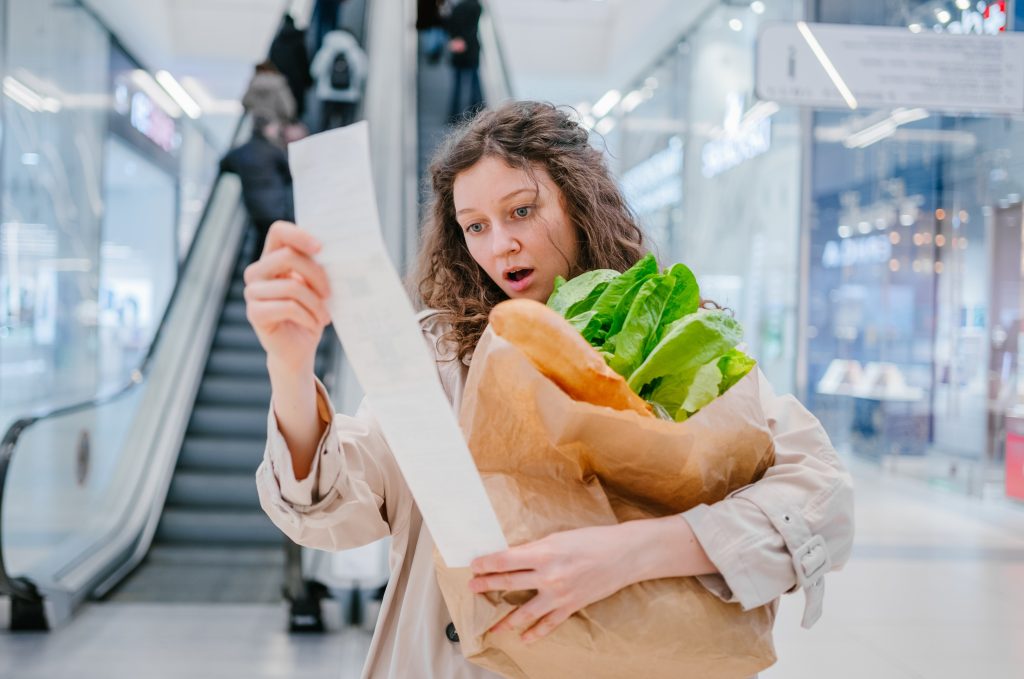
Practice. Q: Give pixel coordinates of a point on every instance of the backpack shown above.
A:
(341, 72)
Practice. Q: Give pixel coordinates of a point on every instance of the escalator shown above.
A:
(214, 544)
(146, 492)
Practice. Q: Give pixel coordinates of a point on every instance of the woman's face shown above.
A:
(515, 226)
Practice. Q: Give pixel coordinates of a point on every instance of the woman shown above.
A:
(518, 197)
(268, 95)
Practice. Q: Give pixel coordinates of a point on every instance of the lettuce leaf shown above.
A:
(640, 327)
(689, 343)
(685, 300)
(704, 388)
(734, 366)
(577, 290)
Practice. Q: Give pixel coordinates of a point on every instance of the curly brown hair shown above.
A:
(531, 136)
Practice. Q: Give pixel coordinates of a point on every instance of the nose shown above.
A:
(504, 241)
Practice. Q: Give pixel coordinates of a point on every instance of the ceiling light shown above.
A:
(943, 16)
(178, 93)
(605, 125)
(871, 134)
(144, 81)
(736, 24)
(28, 98)
(757, 7)
(606, 103)
(632, 100)
(827, 64)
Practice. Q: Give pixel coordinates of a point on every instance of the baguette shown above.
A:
(561, 354)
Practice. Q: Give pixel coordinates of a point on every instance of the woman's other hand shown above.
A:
(569, 570)
(286, 297)
(573, 569)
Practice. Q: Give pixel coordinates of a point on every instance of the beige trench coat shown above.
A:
(771, 537)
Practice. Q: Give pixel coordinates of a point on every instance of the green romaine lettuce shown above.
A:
(577, 290)
(688, 344)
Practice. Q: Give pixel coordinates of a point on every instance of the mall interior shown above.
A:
(846, 178)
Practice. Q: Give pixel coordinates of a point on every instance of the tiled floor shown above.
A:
(935, 590)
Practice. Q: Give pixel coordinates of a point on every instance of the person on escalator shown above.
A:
(464, 45)
(288, 53)
(339, 69)
(268, 96)
(262, 167)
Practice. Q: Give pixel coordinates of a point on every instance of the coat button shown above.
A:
(451, 633)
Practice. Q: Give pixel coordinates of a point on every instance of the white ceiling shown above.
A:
(568, 51)
(208, 45)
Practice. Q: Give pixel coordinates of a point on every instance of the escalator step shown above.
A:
(237, 391)
(205, 490)
(216, 527)
(236, 336)
(237, 362)
(248, 362)
(245, 422)
(220, 454)
(234, 311)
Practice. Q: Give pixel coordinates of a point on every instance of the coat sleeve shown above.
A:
(789, 528)
(354, 492)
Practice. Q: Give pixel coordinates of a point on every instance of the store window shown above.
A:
(714, 176)
(103, 181)
(54, 110)
(914, 271)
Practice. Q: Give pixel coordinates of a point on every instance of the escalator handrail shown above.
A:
(20, 587)
(498, 50)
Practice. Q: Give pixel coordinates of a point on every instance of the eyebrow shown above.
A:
(503, 198)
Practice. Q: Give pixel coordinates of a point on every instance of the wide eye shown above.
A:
(475, 228)
(522, 212)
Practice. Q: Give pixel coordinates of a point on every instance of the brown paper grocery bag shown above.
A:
(550, 464)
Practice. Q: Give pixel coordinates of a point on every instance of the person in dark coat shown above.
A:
(262, 166)
(288, 53)
(464, 45)
(430, 26)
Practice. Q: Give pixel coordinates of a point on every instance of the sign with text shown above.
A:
(833, 65)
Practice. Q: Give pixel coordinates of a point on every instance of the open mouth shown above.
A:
(516, 275)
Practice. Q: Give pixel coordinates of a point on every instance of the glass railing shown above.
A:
(78, 484)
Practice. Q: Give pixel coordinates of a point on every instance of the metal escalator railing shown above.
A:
(78, 483)
(494, 73)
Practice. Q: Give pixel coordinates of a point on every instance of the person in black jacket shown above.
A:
(262, 166)
(464, 45)
(288, 53)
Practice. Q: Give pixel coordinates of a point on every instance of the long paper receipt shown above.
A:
(335, 201)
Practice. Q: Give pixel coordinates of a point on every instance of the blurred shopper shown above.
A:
(430, 25)
(339, 69)
(293, 132)
(262, 166)
(518, 188)
(268, 96)
(464, 45)
(288, 53)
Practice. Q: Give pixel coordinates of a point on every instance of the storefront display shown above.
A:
(914, 268)
(714, 176)
(906, 245)
(101, 189)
